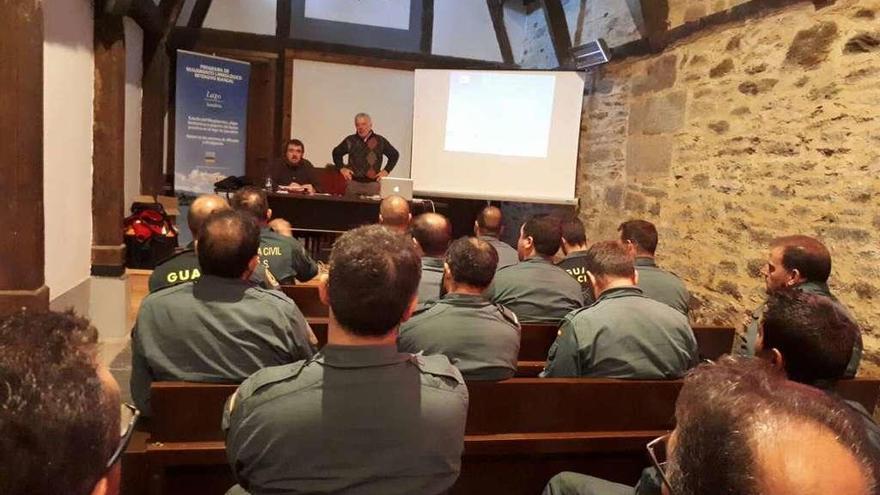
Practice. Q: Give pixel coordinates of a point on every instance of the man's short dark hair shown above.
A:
(545, 232)
(490, 220)
(806, 254)
(251, 200)
(472, 262)
(814, 336)
(720, 412)
(610, 259)
(642, 233)
(374, 274)
(293, 142)
(573, 232)
(227, 243)
(58, 424)
(433, 232)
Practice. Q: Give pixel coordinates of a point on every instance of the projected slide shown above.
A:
(500, 114)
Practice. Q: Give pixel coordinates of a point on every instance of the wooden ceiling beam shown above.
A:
(496, 11)
(557, 26)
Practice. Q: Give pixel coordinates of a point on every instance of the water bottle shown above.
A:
(268, 185)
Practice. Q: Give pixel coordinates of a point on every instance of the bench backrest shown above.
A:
(712, 342)
(307, 299)
(184, 411)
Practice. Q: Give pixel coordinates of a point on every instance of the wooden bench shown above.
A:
(307, 300)
(519, 433)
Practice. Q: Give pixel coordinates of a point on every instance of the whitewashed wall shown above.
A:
(134, 48)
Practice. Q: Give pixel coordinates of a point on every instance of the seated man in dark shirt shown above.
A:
(219, 328)
(283, 255)
(574, 246)
(624, 334)
(360, 417)
(489, 227)
(535, 289)
(431, 233)
(660, 285)
(480, 338)
(292, 172)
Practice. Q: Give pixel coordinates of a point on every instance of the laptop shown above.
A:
(393, 186)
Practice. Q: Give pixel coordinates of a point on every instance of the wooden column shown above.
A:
(108, 174)
(557, 25)
(22, 282)
(496, 11)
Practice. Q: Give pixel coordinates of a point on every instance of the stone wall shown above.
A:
(738, 134)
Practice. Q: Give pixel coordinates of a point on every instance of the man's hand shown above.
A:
(346, 172)
(282, 227)
(382, 174)
(292, 185)
(309, 189)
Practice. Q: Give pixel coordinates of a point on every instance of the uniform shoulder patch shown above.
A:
(437, 365)
(508, 315)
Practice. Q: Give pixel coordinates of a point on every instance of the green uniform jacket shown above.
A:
(746, 341)
(213, 330)
(184, 267)
(480, 338)
(285, 257)
(662, 286)
(623, 335)
(506, 255)
(354, 419)
(432, 279)
(536, 290)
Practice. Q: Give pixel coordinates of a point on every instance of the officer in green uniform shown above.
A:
(480, 338)
(282, 255)
(574, 246)
(641, 237)
(184, 266)
(802, 263)
(219, 328)
(360, 417)
(535, 289)
(431, 233)
(488, 227)
(624, 334)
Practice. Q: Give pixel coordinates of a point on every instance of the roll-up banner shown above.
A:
(210, 120)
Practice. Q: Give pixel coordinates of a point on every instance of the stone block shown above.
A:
(810, 47)
(648, 156)
(863, 43)
(658, 115)
(722, 69)
(659, 75)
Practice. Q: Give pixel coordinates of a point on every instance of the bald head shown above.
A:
(433, 232)
(201, 209)
(394, 213)
(489, 222)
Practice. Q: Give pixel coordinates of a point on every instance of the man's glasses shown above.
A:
(127, 419)
(657, 450)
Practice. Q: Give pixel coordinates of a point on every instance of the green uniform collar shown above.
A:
(618, 292)
(537, 259)
(206, 279)
(820, 288)
(431, 262)
(645, 261)
(576, 254)
(468, 300)
(360, 356)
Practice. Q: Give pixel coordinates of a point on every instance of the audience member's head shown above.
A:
(373, 277)
(610, 265)
(228, 245)
(59, 408)
(294, 149)
(201, 208)
(743, 429)
(574, 236)
(470, 265)
(489, 222)
(432, 233)
(394, 213)
(253, 201)
(539, 236)
(806, 335)
(363, 124)
(796, 259)
(641, 235)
